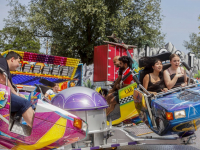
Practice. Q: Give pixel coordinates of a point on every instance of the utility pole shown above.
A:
(47, 47)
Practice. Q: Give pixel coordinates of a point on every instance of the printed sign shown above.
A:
(127, 91)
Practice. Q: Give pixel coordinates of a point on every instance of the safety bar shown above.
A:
(176, 89)
(189, 69)
(42, 95)
(137, 81)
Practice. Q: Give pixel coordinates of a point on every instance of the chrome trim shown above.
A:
(190, 76)
(176, 89)
(149, 110)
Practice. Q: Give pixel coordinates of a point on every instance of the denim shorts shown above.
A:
(19, 105)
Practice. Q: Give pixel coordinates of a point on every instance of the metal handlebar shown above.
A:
(40, 90)
(189, 69)
(176, 89)
(137, 81)
(42, 95)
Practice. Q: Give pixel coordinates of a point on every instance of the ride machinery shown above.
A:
(174, 115)
(52, 127)
(168, 118)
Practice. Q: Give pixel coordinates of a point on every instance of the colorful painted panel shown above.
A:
(48, 59)
(4, 97)
(140, 105)
(180, 100)
(32, 80)
(52, 126)
(127, 105)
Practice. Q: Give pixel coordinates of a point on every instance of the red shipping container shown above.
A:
(104, 69)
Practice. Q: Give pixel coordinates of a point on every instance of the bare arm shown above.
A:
(117, 82)
(124, 85)
(168, 82)
(46, 95)
(146, 81)
(12, 89)
(116, 85)
(185, 77)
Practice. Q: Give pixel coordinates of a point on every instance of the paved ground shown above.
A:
(195, 146)
(140, 132)
(155, 147)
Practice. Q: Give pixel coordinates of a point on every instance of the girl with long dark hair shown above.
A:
(153, 81)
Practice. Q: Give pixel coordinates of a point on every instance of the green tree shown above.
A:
(74, 27)
(197, 75)
(199, 26)
(18, 39)
(89, 84)
(194, 44)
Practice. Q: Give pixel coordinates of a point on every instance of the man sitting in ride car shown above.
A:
(125, 65)
(114, 91)
(116, 63)
(19, 104)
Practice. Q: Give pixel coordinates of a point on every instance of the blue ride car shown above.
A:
(175, 112)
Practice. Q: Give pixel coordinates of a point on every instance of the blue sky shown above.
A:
(180, 19)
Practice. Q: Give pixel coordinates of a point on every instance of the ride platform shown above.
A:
(137, 135)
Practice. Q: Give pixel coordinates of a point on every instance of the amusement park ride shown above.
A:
(76, 116)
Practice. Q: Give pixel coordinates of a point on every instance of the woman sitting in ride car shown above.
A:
(153, 82)
(175, 75)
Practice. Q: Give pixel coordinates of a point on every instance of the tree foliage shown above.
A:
(194, 44)
(199, 26)
(18, 39)
(197, 75)
(74, 27)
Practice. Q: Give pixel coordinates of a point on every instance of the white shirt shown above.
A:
(50, 92)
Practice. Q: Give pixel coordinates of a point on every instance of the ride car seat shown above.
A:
(142, 74)
(43, 88)
(162, 57)
(166, 66)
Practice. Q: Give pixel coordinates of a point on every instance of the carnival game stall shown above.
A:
(34, 67)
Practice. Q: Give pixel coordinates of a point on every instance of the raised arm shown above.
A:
(46, 94)
(185, 77)
(12, 89)
(168, 82)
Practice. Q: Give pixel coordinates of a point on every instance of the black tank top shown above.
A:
(155, 87)
(179, 81)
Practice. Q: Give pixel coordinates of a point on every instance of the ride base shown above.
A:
(129, 135)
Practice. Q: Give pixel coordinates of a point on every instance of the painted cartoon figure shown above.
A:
(3, 98)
